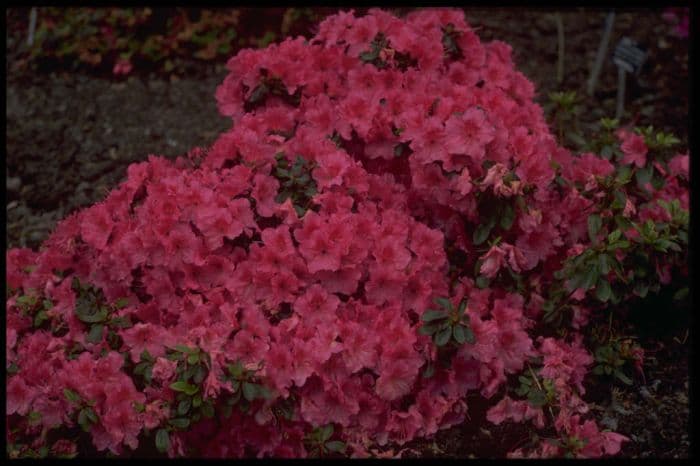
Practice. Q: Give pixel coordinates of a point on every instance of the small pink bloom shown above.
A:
(492, 261)
(164, 369)
(634, 149)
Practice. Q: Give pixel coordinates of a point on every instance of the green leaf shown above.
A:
(264, 392)
(604, 264)
(508, 217)
(444, 303)
(643, 175)
(657, 182)
(614, 236)
(620, 199)
(681, 294)
(250, 391)
(326, 432)
(459, 334)
(576, 139)
(603, 290)
(335, 446)
(662, 244)
(462, 306)
(641, 289)
(162, 440)
(369, 56)
(184, 406)
(482, 282)
(430, 328)
(536, 398)
(140, 368)
(624, 174)
(197, 401)
(575, 282)
(182, 386)
(146, 356)
(258, 94)
(186, 349)
(481, 233)
(235, 369)
(443, 336)
(594, 224)
(82, 420)
(624, 244)
(193, 358)
(207, 410)
(199, 374)
(95, 335)
(13, 368)
(121, 322)
(71, 395)
(84, 312)
(623, 378)
(121, 303)
(432, 315)
(590, 278)
(180, 423)
(40, 318)
(92, 417)
(469, 336)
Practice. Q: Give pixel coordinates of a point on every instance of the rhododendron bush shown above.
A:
(388, 226)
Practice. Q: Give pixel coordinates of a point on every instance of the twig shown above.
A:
(621, 79)
(537, 381)
(32, 26)
(560, 39)
(602, 49)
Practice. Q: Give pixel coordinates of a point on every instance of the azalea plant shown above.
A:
(387, 228)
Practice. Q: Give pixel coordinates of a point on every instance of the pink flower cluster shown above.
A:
(412, 127)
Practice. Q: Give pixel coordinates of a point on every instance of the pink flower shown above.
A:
(97, 226)
(122, 66)
(331, 168)
(492, 261)
(395, 380)
(64, 448)
(469, 133)
(19, 396)
(142, 337)
(164, 369)
(264, 193)
(428, 141)
(391, 254)
(633, 148)
(320, 253)
(385, 284)
(679, 165)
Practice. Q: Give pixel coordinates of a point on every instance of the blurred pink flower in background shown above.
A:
(122, 66)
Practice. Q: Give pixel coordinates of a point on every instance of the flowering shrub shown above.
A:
(388, 226)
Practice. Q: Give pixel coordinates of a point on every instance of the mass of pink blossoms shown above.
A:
(410, 126)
